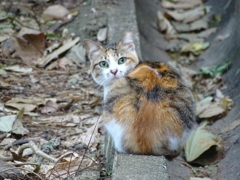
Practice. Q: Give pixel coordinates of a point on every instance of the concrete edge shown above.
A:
(121, 17)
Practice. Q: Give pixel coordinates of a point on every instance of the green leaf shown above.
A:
(211, 72)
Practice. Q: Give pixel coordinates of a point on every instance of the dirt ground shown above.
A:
(55, 107)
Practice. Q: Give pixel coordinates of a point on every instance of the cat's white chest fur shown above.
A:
(116, 131)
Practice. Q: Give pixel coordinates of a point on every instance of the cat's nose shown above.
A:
(114, 71)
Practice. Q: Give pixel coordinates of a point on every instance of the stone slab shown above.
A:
(139, 167)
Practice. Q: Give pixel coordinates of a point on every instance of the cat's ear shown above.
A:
(127, 42)
(93, 49)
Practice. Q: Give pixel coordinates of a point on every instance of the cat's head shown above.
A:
(111, 62)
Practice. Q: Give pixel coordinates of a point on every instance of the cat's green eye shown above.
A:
(104, 64)
(122, 60)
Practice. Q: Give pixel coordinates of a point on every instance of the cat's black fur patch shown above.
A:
(154, 94)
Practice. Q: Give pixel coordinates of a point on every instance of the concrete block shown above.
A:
(139, 167)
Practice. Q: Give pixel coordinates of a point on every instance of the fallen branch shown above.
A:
(36, 150)
(42, 62)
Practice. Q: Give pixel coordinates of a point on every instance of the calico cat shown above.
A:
(148, 109)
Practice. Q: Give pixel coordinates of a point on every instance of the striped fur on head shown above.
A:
(111, 55)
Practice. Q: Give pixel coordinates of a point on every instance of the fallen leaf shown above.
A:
(20, 69)
(3, 72)
(72, 161)
(206, 33)
(77, 54)
(200, 24)
(202, 147)
(29, 45)
(89, 137)
(187, 16)
(198, 178)
(28, 104)
(17, 127)
(64, 63)
(4, 38)
(50, 107)
(102, 34)
(181, 27)
(7, 141)
(195, 47)
(210, 72)
(209, 110)
(66, 120)
(42, 62)
(55, 12)
(190, 37)
(6, 123)
(186, 4)
(164, 24)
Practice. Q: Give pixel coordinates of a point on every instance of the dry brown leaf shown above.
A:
(189, 15)
(7, 141)
(29, 45)
(181, 27)
(184, 4)
(20, 69)
(209, 110)
(200, 141)
(77, 54)
(205, 34)
(17, 127)
(190, 37)
(71, 161)
(55, 12)
(66, 120)
(198, 178)
(50, 107)
(200, 24)
(90, 137)
(4, 38)
(164, 24)
(4, 84)
(64, 62)
(28, 104)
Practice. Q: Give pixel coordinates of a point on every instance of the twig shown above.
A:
(36, 150)
(58, 161)
(58, 25)
(87, 146)
(21, 141)
(23, 163)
